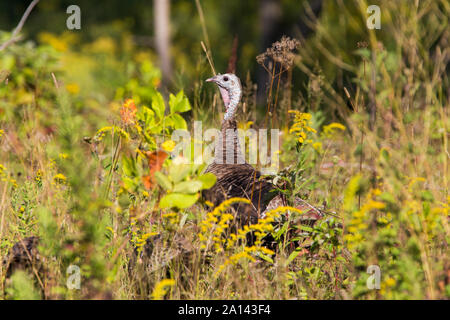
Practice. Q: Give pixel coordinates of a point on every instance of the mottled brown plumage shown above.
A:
(238, 179)
(235, 177)
(23, 256)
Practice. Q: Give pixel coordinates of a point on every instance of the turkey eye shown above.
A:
(225, 78)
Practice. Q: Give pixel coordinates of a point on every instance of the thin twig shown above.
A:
(208, 57)
(202, 21)
(14, 36)
(205, 35)
(55, 81)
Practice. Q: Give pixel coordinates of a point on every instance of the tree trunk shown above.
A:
(162, 38)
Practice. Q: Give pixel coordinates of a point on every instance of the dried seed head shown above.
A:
(282, 51)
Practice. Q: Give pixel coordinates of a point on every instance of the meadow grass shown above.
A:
(83, 166)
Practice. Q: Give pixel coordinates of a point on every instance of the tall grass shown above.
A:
(84, 169)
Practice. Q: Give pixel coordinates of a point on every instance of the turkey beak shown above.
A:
(212, 79)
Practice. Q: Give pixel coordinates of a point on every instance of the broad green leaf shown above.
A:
(188, 186)
(179, 172)
(158, 105)
(168, 122)
(178, 121)
(147, 115)
(208, 180)
(163, 181)
(178, 200)
(157, 129)
(179, 103)
(129, 184)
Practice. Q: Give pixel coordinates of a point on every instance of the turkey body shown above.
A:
(237, 178)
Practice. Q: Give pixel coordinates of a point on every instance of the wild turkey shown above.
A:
(24, 256)
(235, 177)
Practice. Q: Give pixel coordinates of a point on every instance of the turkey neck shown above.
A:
(228, 149)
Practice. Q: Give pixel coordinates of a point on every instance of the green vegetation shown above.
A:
(85, 132)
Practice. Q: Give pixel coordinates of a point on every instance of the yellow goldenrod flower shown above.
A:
(317, 146)
(162, 288)
(301, 126)
(73, 88)
(59, 178)
(332, 128)
(168, 145)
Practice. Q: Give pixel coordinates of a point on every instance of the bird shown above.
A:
(25, 256)
(236, 177)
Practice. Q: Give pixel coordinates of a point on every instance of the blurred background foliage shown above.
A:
(384, 175)
(117, 28)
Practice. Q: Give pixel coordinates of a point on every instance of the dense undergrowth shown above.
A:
(85, 138)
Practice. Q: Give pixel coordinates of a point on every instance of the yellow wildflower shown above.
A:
(162, 288)
(60, 178)
(317, 146)
(168, 145)
(73, 88)
(332, 128)
(301, 126)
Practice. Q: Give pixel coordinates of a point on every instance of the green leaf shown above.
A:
(188, 186)
(306, 228)
(156, 129)
(178, 121)
(147, 115)
(163, 181)
(281, 231)
(265, 257)
(168, 122)
(179, 172)
(385, 154)
(129, 166)
(158, 105)
(129, 184)
(178, 200)
(292, 256)
(208, 180)
(179, 103)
